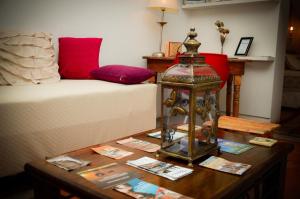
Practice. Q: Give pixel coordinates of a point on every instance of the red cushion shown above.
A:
(219, 62)
(78, 57)
(122, 74)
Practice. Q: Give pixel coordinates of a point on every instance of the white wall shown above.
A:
(130, 31)
(259, 20)
(126, 26)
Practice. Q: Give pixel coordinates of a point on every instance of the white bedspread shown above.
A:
(46, 120)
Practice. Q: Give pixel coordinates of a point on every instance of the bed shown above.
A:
(39, 121)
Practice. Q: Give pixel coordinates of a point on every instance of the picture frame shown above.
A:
(174, 48)
(186, 2)
(244, 46)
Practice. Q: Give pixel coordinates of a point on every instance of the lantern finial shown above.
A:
(192, 44)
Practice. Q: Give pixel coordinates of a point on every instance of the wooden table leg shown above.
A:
(236, 95)
(229, 95)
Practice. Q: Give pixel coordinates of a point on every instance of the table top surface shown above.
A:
(202, 183)
(230, 58)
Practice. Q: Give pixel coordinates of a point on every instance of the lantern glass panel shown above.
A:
(175, 118)
(206, 115)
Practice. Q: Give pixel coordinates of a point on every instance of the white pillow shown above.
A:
(27, 58)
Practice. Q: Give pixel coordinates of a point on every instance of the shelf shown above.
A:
(222, 3)
(246, 58)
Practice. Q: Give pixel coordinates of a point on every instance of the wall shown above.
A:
(130, 31)
(128, 27)
(259, 20)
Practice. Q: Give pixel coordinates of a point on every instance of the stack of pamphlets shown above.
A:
(111, 152)
(68, 163)
(263, 141)
(233, 147)
(139, 144)
(108, 175)
(177, 135)
(221, 164)
(160, 168)
(137, 188)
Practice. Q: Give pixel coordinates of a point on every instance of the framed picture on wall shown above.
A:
(243, 46)
(174, 48)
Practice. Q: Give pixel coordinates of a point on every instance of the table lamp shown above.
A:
(163, 6)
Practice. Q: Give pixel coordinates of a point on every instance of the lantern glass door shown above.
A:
(175, 118)
(206, 116)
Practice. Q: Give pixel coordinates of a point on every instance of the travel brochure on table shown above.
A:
(139, 189)
(68, 163)
(221, 164)
(108, 175)
(233, 147)
(160, 168)
(139, 144)
(111, 152)
(263, 141)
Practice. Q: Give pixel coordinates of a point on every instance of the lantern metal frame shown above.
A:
(194, 85)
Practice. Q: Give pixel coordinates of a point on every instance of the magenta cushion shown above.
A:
(78, 57)
(122, 74)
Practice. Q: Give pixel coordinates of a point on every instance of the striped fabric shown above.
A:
(27, 58)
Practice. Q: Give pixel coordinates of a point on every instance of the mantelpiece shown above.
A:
(222, 3)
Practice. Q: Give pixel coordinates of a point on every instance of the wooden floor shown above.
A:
(292, 183)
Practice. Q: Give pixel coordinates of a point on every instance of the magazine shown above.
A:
(263, 141)
(177, 135)
(140, 189)
(233, 147)
(111, 152)
(108, 175)
(139, 144)
(68, 163)
(160, 168)
(221, 164)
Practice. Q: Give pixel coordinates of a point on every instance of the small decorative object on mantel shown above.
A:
(223, 32)
(190, 98)
(244, 46)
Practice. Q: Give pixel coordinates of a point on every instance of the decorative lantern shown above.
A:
(190, 105)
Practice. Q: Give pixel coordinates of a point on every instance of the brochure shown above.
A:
(185, 127)
(68, 163)
(263, 141)
(137, 188)
(108, 175)
(139, 144)
(177, 135)
(160, 168)
(111, 152)
(221, 164)
(233, 147)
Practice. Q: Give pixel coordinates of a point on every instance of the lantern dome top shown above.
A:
(191, 68)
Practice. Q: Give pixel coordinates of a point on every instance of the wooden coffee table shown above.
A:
(265, 179)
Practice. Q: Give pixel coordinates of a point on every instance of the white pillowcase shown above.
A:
(27, 58)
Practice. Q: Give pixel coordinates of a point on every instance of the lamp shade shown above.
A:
(167, 5)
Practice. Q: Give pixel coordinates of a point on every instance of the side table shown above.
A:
(158, 65)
